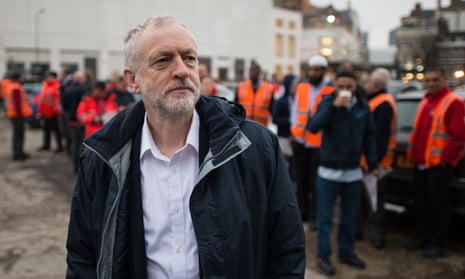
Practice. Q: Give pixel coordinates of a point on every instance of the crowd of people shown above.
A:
(198, 186)
(338, 135)
(69, 107)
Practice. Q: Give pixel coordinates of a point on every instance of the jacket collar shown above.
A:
(219, 123)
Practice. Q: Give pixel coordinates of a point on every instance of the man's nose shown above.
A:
(180, 68)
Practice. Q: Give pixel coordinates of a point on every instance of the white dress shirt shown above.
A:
(167, 184)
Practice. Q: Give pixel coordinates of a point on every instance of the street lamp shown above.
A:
(36, 32)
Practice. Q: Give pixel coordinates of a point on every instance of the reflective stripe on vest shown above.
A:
(256, 104)
(26, 110)
(373, 103)
(302, 99)
(438, 136)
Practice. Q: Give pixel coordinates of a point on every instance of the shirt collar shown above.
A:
(148, 145)
(437, 94)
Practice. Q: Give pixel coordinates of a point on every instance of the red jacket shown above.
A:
(90, 107)
(49, 99)
(455, 125)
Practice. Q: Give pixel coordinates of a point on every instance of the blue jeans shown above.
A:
(327, 194)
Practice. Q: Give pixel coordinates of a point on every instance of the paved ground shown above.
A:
(34, 207)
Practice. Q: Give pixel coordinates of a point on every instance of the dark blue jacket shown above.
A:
(243, 206)
(346, 134)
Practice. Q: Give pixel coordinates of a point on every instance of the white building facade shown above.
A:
(88, 34)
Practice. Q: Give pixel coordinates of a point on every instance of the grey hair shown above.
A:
(132, 38)
(381, 77)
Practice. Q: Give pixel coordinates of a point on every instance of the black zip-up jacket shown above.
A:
(382, 116)
(346, 134)
(243, 206)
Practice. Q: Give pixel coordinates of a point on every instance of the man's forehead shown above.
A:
(171, 32)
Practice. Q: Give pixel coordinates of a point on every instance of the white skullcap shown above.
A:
(318, 60)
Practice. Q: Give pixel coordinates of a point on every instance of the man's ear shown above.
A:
(130, 78)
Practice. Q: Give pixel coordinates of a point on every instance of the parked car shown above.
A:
(227, 90)
(399, 193)
(397, 86)
(32, 91)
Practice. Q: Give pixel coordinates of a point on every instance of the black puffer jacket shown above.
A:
(243, 207)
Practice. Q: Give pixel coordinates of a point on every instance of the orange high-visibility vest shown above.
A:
(257, 105)
(3, 87)
(26, 110)
(438, 137)
(373, 103)
(302, 99)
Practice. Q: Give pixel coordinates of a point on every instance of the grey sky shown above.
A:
(378, 17)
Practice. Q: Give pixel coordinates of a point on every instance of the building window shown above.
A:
(326, 52)
(279, 45)
(291, 47)
(290, 69)
(279, 22)
(278, 71)
(291, 25)
(326, 41)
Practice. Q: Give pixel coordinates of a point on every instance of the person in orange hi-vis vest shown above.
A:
(305, 145)
(436, 145)
(383, 107)
(256, 96)
(50, 111)
(17, 110)
(3, 85)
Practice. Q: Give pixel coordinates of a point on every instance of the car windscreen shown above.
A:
(406, 111)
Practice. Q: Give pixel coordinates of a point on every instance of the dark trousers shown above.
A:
(328, 193)
(76, 132)
(375, 220)
(432, 208)
(306, 161)
(52, 124)
(66, 132)
(17, 142)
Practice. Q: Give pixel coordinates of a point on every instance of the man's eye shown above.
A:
(161, 60)
(190, 59)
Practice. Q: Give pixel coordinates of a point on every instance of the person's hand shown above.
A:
(342, 101)
(97, 119)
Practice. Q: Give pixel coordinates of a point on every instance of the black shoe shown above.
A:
(416, 244)
(352, 261)
(433, 251)
(324, 266)
(25, 156)
(43, 148)
(58, 150)
(21, 157)
(358, 236)
(378, 244)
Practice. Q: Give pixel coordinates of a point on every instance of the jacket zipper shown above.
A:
(109, 213)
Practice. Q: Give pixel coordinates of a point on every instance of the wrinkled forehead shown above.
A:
(168, 32)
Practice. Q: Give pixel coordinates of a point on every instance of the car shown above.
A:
(32, 92)
(399, 192)
(226, 90)
(396, 87)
